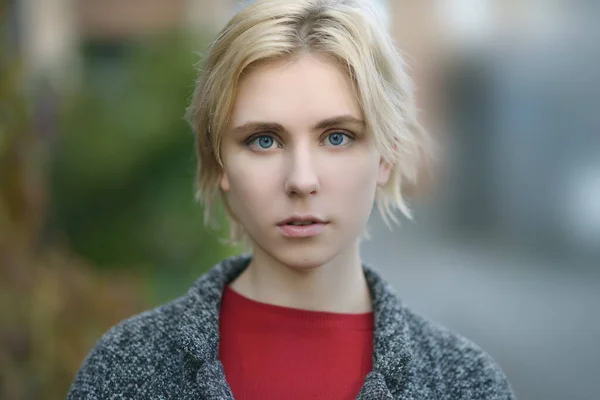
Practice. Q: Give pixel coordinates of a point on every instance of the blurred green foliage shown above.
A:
(123, 181)
(53, 304)
(97, 217)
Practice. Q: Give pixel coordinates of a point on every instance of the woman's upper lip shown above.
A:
(302, 218)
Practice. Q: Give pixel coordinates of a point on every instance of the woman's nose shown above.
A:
(301, 178)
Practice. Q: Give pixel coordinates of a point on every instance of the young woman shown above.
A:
(304, 117)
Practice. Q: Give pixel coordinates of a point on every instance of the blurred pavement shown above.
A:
(537, 317)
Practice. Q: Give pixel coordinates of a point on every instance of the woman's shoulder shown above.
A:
(150, 328)
(448, 358)
(131, 354)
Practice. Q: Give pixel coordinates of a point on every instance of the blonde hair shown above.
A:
(353, 33)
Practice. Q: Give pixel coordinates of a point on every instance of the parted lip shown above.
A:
(302, 218)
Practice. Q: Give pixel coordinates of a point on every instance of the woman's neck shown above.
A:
(338, 286)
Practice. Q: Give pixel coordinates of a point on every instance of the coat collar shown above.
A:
(198, 335)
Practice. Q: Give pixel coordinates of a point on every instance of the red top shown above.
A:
(275, 352)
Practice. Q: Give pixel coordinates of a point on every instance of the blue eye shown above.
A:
(263, 142)
(337, 139)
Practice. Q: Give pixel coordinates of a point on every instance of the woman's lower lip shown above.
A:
(302, 231)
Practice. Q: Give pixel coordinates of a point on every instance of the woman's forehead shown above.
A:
(307, 88)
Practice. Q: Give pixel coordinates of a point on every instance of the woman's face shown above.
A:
(296, 152)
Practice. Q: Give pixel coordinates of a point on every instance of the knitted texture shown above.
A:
(171, 352)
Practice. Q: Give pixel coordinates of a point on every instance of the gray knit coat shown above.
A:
(171, 352)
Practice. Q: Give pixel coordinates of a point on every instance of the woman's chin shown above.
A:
(304, 257)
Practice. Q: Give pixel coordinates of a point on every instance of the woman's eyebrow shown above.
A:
(259, 127)
(340, 120)
(277, 128)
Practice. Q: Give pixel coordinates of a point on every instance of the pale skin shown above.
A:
(297, 144)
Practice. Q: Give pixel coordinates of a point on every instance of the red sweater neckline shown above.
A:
(283, 316)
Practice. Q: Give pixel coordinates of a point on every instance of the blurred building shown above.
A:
(52, 34)
(518, 84)
(133, 18)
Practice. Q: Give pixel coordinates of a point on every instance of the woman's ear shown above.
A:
(385, 169)
(224, 181)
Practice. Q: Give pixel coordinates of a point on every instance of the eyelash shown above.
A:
(253, 138)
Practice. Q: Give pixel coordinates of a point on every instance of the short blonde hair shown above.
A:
(353, 33)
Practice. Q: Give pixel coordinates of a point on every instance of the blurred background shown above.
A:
(98, 221)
